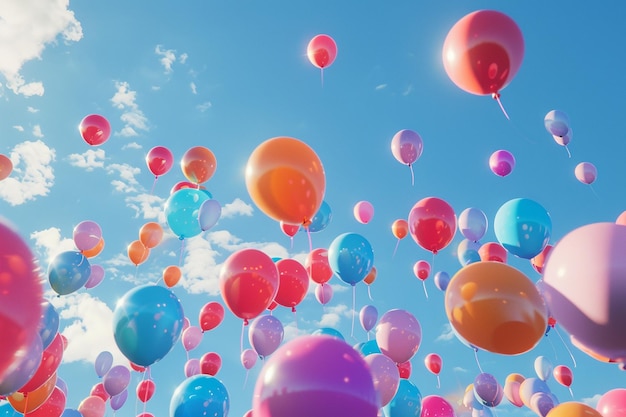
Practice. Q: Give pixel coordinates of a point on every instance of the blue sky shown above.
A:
(228, 76)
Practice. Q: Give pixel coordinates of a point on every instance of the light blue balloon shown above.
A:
(369, 348)
(329, 331)
(351, 257)
(406, 403)
(70, 412)
(200, 395)
(147, 322)
(49, 324)
(442, 279)
(467, 252)
(182, 211)
(7, 410)
(523, 227)
(321, 219)
(68, 272)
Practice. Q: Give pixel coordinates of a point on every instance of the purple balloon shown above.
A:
(117, 401)
(472, 224)
(265, 334)
(502, 163)
(531, 386)
(87, 235)
(209, 213)
(95, 277)
(407, 146)
(28, 361)
(541, 403)
(368, 317)
(248, 358)
(103, 363)
(62, 385)
(442, 279)
(398, 335)
(192, 367)
(487, 389)
(314, 376)
(116, 380)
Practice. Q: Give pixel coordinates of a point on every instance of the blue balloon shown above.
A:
(68, 272)
(182, 209)
(351, 257)
(329, 331)
(523, 227)
(406, 403)
(321, 219)
(7, 410)
(147, 322)
(442, 279)
(70, 412)
(49, 324)
(368, 348)
(200, 395)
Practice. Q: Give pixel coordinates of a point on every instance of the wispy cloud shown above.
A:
(50, 243)
(132, 117)
(18, 128)
(127, 183)
(32, 174)
(204, 106)
(447, 334)
(194, 89)
(37, 131)
(237, 208)
(333, 314)
(89, 160)
(380, 87)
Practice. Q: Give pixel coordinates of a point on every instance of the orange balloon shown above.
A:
(573, 409)
(371, 277)
(25, 402)
(286, 180)
(198, 164)
(621, 219)
(151, 234)
(495, 307)
(515, 378)
(137, 252)
(90, 253)
(400, 228)
(6, 167)
(492, 251)
(171, 275)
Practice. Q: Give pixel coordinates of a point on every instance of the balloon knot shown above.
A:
(495, 95)
(293, 309)
(181, 237)
(245, 322)
(306, 223)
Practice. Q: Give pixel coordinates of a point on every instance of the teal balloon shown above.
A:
(329, 331)
(321, 219)
(7, 410)
(406, 403)
(200, 395)
(182, 209)
(351, 257)
(68, 271)
(369, 348)
(523, 227)
(147, 322)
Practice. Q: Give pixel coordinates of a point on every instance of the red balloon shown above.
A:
(50, 361)
(159, 160)
(137, 368)
(52, 407)
(317, 266)
(483, 51)
(433, 363)
(432, 223)
(145, 390)
(322, 51)
(293, 283)
(6, 166)
(405, 369)
(99, 391)
(421, 269)
(211, 315)
(539, 261)
(289, 229)
(210, 363)
(185, 184)
(95, 129)
(563, 375)
(248, 282)
(492, 251)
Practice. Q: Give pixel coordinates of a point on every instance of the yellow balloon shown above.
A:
(573, 409)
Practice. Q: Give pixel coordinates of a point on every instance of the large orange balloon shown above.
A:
(495, 307)
(25, 402)
(573, 409)
(198, 164)
(151, 234)
(286, 180)
(6, 167)
(483, 51)
(137, 252)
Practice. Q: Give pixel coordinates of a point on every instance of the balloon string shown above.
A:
(182, 250)
(295, 318)
(353, 309)
(571, 392)
(396, 248)
(496, 96)
(412, 174)
(477, 361)
(308, 233)
(369, 293)
(153, 184)
(424, 285)
(569, 155)
(243, 326)
(566, 347)
(556, 356)
(291, 239)
(245, 381)
(438, 381)
(322, 76)
(594, 192)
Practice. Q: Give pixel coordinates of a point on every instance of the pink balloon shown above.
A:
(159, 160)
(289, 229)
(95, 277)
(421, 269)
(363, 212)
(192, 367)
(116, 380)
(51, 407)
(385, 375)
(92, 406)
(511, 392)
(87, 235)
(563, 375)
(323, 293)
(191, 337)
(248, 413)
(502, 163)
(436, 406)
(406, 146)
(586, 172)
(398, 335)
(433, 363)
(368, 317)
(248, 358)
(94, 129)
(613, 403)
(265, 334)
(322, 51)
(211, 315)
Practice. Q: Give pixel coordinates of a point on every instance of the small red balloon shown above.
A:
(95, 129)
(159, 160)
(322, 51)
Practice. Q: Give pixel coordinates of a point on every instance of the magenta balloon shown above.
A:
(472, 224)
(191, 337)
(487, 389)
(502, 163)
(312, 376)
(368, 317)
(103, 363)
(116, 380)
(265, 334)
(192, 367)
(407, 146)
(209, 213)
(95, 276)
(613, 403)
(323, 293)
(248, 358)
(398, 335)
(87, 235)
(436, 406)
(584, 287)
(586, 172)
(385, 375)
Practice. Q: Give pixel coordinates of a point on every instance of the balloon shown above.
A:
(198, 164)
(53, 406)
(495, 307)
(50, 361)
(211, 315)
(191, 337)
(200, 395)
(442, 279)
(368, 348)
(501, 163)
(563, 375)
(492, 251)
(368, 317)
(523, 227)
(565, 139)
(103, 363)
(483, 52)
(405, 369)
(406, 146)
(511, 389)
(398, 335)
(28, 401)
(421, 269)
(363, 212)
(6, 167)
(531, 386)
(49, 324)
(248, 358)
(541, 403)
(350, 257)
(487, 389)
(400, 228)
(299, 381)
(116, 379)
(95, 251)
(265, 334)
(159, 160)
(371, 277)
(151, 234)
(182, 210)
(118, 401)
(612, 403)
(621, 219)
(94, 129)
(145, 390)
(186, 184)
(556, 123)
(472, 224)
(385, 376)
(436, 406)
(68, 271)
(467, 252)
(543, 367)
(432, 223)
(293, 283)
(26, 362)
(147, 323)
(209, 213)
(321, 51)
(192, 367)
(586, 172)
(406, 402)
(317, 266)
(138, 253)
(584, 287)
(538, 262)
(86, 235)
(171, 275)
(92, 406)
(286, 180)
(323, 293)
(210, 363)
(433, 363)
(248, 282)
(322, 218)
(573, 409)
(99, 390)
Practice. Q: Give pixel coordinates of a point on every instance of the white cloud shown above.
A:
(194, 90)
(147, 206)
(168, 57)
(592, 401)
(333, 314)
(18, 128)
(32, 174)
(50, 241)
(133, 118)
(237, 208)
(380, 87)
(32, 109)
(126, 182)
(90, 159)
(20, 43)
(204, 106)
(183, 58)
(446, 334)
(37, 131)
(408, 90)
(132, 145)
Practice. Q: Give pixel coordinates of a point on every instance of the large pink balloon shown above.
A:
(407, 146)
(586, 172)
(398, 335)
(385, 375)
(312, 376)
(92, 406)
(613, 403)
(584, 285)
(436, 406)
